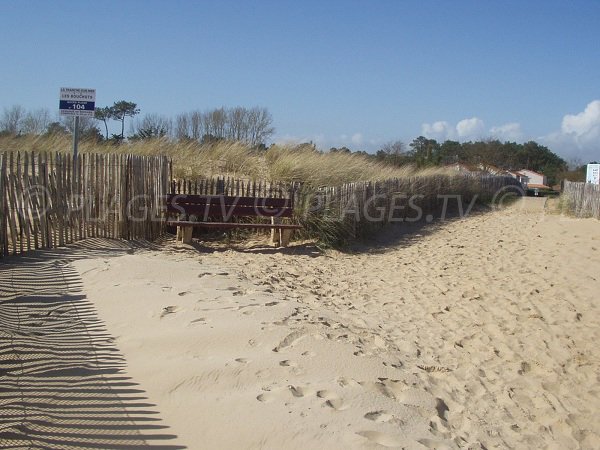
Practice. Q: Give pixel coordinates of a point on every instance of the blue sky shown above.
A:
(352, 73)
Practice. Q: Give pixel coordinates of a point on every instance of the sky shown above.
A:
(338, 73)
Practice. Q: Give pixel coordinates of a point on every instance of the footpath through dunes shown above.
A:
(63, 383)
(491, 320)
(473, 333)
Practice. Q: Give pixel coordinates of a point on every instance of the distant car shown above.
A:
(537, 192)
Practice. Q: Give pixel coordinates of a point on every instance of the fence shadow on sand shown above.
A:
(62, 379)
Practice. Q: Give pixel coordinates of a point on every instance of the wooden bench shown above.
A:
(216, 211)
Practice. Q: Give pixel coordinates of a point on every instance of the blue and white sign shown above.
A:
(77, 102)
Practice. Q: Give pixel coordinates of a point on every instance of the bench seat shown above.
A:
(216, 211)
(187, 223)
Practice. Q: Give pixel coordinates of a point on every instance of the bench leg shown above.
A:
(275, 234)
(286, 236)
(184, 234)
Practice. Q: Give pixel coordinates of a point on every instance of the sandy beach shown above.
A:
(473, 333)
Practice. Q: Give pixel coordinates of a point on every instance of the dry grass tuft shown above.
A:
(194, 160)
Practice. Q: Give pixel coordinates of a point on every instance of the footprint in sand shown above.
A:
(434, 444)
(383, 439)
(203, 274)
(381, 387)
(266, 397)
(397, 365)
(344, 382)
(168, 310)
(525, 368)
(299, 391)
(250, 305)
(287, 363)
(242, 360)
(332, 400)
(290, 340)
(201, 320)
(181, 294)
(425, 401)
(379, 416)
(434, 369)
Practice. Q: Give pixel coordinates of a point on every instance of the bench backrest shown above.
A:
(205, 206)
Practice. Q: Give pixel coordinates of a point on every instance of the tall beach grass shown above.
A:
(192, 159)
(342, 177)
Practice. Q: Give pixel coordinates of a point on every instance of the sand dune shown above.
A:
(472, 333)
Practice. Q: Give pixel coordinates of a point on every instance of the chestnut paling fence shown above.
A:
(353, 210)
(582, 199)
(48, 200)
(361, 207)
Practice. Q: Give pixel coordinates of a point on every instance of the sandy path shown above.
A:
(474, 333)
(62, 380)
(232, 364)
(496, 315)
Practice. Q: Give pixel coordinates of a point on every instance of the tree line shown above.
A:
(253, 126)
(425, 152)
(17, 121)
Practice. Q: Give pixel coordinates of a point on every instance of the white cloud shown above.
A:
(357, 139)
(579, 135)
(507, 132)
(472, 128)
(586, 124)
(466, 129)
(440, 130)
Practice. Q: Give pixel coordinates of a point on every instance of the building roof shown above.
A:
(531, 171)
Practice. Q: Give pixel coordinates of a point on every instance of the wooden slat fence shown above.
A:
(48, 200)
(358, 207)
(354, 209)
(581, 199)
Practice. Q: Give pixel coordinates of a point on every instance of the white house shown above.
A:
(519, 176)
(532, 179)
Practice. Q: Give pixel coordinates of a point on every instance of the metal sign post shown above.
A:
(76, 138)
(77, 102)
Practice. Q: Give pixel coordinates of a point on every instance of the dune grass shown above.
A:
(194, 160)
(315, 170)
